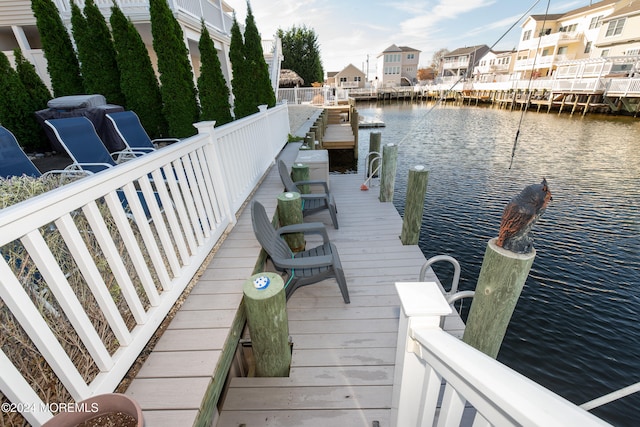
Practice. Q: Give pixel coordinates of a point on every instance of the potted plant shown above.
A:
(103, 410)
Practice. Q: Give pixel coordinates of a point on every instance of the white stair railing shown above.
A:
(440, 380)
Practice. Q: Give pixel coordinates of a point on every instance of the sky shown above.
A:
(350, 31)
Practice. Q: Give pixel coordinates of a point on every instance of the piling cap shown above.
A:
(261, 282)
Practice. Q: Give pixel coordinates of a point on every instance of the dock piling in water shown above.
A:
(414, 205)
(388, 175)
(502, 277)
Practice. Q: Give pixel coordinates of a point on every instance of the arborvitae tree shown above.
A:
(244, 98)
(212, 87)
(62, 63)
(302, 53)
(178, 90)
(137, 77)
(16, 108)
(38, 92)
(104, 67)
(256, 64)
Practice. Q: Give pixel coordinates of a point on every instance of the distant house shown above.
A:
(461, 62)
(620, 31)
(548, 41)
(397, 66)
(495, 66)
(350, 77)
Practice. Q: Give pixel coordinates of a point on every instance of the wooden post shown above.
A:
(388, 175)
(290, 212)
(502, 277)
(266, 306)
(310, 139)
(300, 172)
(355, 119)
(375, 139)
(414, 205)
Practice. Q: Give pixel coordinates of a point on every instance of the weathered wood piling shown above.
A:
(266, 308)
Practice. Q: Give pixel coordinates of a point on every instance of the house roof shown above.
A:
(633, 8)
(289, 78)
(352, 68)
(466, 50)
(588, 8)
(394, 48)
(548, 17)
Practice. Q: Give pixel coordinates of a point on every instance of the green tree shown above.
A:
(62, 63)
(244, 100)
(137, 77)
(254, 57)
(105, 75)
(16, 107)
(178, 91)
(212, 87)
(38, 93)
(301, 53)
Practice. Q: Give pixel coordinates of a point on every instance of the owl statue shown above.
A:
(520, 215)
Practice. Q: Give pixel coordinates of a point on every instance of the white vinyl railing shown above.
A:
(440, 380)
(179, 201)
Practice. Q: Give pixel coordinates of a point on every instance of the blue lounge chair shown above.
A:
(79, 139)
(130, 130)
(14, 161)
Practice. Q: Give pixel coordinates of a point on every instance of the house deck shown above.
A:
(343, 354)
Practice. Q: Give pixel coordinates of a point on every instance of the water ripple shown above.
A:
(575, 327)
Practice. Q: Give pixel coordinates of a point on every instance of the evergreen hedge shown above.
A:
(178, 91)
(104, 72)
(244, 101)
(16, 106)
(38, 93)
(212, 86)
(137, 77)
(62, 63)
(257, 67)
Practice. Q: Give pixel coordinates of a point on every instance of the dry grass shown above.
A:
(13, 339)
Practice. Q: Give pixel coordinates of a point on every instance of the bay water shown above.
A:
(576, 327)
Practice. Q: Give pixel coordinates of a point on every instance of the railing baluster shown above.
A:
(133, 248)
(119, 270)
(30, 319)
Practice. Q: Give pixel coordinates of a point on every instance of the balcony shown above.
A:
(552, 39)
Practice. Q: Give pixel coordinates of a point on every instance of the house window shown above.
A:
(587, 47)
(546, 52)
(411, 55)
(615, 27)
(357, 79)
(596, 22)
(343, 79)
(562, 50)
(526, 35)
(604, 53)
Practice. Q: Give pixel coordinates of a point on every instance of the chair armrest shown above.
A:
(167, 140)
(306, 228)
(68, 172)
(310, 262)
(314, 182)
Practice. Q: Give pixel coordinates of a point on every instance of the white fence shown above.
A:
(440, 380)
(153, 221)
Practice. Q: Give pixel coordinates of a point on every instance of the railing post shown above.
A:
(421, 304)
(215, 164)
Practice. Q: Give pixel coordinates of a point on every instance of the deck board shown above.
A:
(343, 354)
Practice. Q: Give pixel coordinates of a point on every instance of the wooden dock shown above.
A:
(339, 132)
(343, 354)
